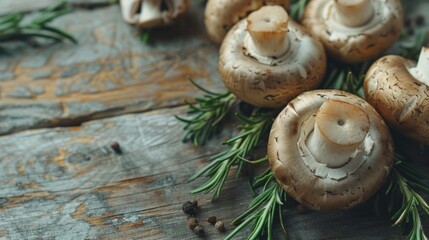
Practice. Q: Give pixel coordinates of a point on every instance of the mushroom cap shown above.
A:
(314, 184)
(402, 100)
(131, 13)
(271, 85)
(354, 44)
(221, 15)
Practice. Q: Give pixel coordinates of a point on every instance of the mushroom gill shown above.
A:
(421, 71)
(268, 59)
(354, 30)
(330, 150)
(339, 129)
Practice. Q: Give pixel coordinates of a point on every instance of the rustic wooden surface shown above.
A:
(65, 182)
(8, 6)
(110, 72)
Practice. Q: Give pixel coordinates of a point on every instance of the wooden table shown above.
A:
(62, 105)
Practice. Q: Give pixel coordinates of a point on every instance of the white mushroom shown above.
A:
(150, 13)
(221, 15)
(399, 89)
(268, 59)
(330, 150)
(354, 30)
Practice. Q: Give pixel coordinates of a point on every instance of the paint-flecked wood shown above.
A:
(109, 72)
(68, 183)
(8, 6)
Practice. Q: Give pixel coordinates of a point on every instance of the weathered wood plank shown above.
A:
(109, 72)
(8, 6)
(72, 183)
(68, 183)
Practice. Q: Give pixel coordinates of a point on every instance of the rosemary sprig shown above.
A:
(12, 26)
(348, 78)
(297, 8)
(411, 49)
(263, 209)
(355, 85)
(255, 127)
(407, 181)
(145, 36)
(208, 115)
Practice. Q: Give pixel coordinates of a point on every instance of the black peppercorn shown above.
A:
(192, 223)
(212, 220)
(190, 208)
(116, 147)
(220, 226)
(199, 230)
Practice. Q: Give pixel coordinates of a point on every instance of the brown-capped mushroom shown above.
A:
(399, 89)
(152, 13)
(330, 150)
(221, 15)
(268, 59)
(354, 30)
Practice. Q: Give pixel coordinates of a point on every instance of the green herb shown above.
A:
(407, 182)
(297, 8)
(12, 26)
(355, 85)
(208, 115)
(266, 207)
(144, 37)
(347, 78)
(411, 49)
(263, 210)
(255, 127)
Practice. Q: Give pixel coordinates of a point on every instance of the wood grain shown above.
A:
(8, 6)
(109, 72)
(68, 183)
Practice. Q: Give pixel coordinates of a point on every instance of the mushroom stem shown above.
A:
(268, 31)
(421, 71)
(353, 13)
(150, 11)
(129, 10)
(339, 130)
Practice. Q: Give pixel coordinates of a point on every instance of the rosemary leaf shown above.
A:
(145, 36)
(297, 8)
(208, 114)
(347, 78)
(13, 28)
(255, 127)
(262, 211)
(411, 49)
(405, 183)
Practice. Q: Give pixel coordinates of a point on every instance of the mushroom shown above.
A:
(152, 13)
(330, 150)
(399, 89)
(221, 15)
(268, 59)
(354, 30)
